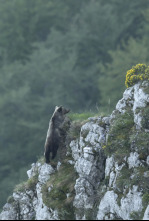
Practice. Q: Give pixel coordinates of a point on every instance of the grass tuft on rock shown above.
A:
(29, 185)
(58, 193)
(118, 142)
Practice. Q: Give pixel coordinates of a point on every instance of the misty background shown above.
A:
(73, 53)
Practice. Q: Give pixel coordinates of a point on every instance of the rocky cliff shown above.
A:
(105, 174)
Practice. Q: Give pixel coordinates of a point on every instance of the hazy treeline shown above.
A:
(65, 52)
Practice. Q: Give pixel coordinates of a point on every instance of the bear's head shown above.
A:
(62, 110)
(59, 114)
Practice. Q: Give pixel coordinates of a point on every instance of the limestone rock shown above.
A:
(108, 186)
(109, 206)
(133, 160)
(146, 214)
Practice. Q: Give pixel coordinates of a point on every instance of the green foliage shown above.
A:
(114, 73)
(60, 53)
(118, 139)
(29, 185)
(145, 119)
(124, 138)
(140, 72)
(140, 180)
(141, 141)
(123, 181)
(80, 116)
(145, 199)
(61, 183)
(24, 22)
(130, 177)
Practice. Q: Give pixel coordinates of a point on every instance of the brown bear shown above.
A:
(54, 133)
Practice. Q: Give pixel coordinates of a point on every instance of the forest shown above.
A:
(73, 53)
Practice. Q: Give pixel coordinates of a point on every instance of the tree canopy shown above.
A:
(65, 52)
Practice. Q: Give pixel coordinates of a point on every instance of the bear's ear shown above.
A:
(60, 109)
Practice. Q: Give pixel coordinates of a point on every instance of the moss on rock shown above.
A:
(118, 142)
(29, 185)
(58, 192)
(145, 117)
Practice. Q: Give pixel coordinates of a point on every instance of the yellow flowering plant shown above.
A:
(140, 72)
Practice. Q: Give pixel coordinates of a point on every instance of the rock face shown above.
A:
(137, 99)
(89, 164)
(26, 202)
(104, 176)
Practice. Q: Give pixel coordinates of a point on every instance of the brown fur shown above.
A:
(53, 138)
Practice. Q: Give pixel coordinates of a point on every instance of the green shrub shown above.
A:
(118, 140)
(141, 141)
(145, 199)
(138, 73)
(123, 180)
(145, 119)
